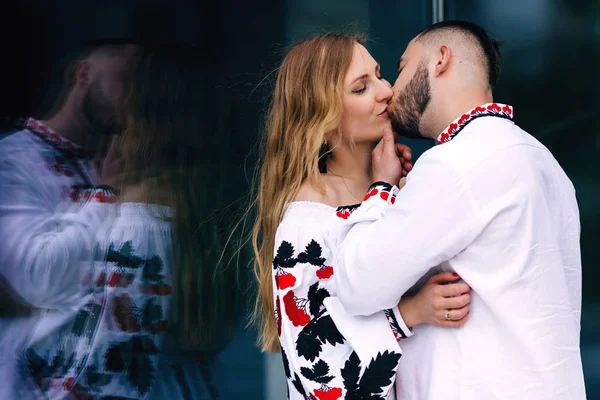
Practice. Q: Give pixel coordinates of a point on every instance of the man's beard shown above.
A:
(99, 110)
(411, 104)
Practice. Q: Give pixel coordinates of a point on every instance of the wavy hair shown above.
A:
(306, 108)
(173, 144)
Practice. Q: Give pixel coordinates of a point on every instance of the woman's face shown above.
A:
(364, 101)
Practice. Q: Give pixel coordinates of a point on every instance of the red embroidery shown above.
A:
(492, 109)
(477, 110)
(69, 383)
(45, 132)
(161, 289)
(123, 312)
(325, 272)
(463, 119)
(78, 194)
(101, 279)
(121, 280)
(343, 214)
(295, 313)
(103, 196)
(346, 211)
(60, 166)
(384, 190)
(326, 393)
(371, 193)
(284, 280)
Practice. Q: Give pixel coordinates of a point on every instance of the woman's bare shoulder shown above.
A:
(308, 192)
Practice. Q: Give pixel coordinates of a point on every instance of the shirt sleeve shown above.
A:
(127, 308)
(41, 250)
(310, 319)
(388, 249)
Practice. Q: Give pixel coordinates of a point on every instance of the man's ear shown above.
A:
(82, 73)
(442, 60)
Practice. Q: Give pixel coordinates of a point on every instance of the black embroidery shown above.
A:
(318, 373)
(389, 313)
(319, 331)
(312, 254)
(133, 356)
(123, 257)
(96, 380)
(377, 375)
(298, 385)
(316, 295)
(40, 368)
(286, 364)
(285, 256)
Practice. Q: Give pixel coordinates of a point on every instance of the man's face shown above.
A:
(99, 108)
(105, 96)
(412, 93)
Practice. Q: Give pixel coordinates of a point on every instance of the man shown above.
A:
(46, 167)
(489, 203)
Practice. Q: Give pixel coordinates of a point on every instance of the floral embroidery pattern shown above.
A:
(398, 333)
(345, 211)
(91, 194)
(133, 357)
(284, 260)
(49, 135)
(60, 166)
(377, 375)
(486, 110)
(317, 331)
(384, 190)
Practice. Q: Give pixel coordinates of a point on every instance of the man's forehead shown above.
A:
(413, 50)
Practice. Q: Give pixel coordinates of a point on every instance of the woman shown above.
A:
(162, 301)
(328, 111)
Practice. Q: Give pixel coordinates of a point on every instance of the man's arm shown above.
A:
(433, 219)
(43, 254)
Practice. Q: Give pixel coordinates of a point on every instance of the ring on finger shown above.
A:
(447, 316)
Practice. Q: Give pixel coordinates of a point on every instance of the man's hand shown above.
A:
(113, 164)
(391, 161)
(405, 154)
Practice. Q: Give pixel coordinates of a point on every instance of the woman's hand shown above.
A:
(440, 302)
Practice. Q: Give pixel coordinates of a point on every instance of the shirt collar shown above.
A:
(49, 135)
(485, 110)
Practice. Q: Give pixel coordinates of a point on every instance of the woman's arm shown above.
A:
(441, 301)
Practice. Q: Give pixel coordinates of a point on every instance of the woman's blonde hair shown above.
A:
(306, 108)
(173, 143)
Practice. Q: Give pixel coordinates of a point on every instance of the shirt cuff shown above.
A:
(96, 194)
(379, 197)
(368, 335)
(381, 192)
(401, 331)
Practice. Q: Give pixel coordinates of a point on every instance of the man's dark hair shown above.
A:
(63, 72)
(489, 45)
